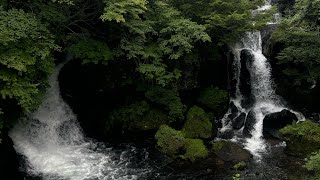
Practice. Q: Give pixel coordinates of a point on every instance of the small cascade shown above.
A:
(54, 146)
(263, 98)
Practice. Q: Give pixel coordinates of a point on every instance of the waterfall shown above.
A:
(55, 147)
(262, 89)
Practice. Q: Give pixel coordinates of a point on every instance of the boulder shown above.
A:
(302, 138)
(238, 122)
(230, 151)
(169, 140)
(227, 134)
(275, 121)
(198, 124)
(249, 124)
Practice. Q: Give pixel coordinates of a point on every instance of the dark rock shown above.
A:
(249, 124)
(234, 111)
(228, 134)
(233, 108)
(238, 122)
(245, 85)
(9, 163)
(275, 121)
(230, 152)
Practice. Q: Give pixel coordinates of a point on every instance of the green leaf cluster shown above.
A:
(25, 57)
(91, 51)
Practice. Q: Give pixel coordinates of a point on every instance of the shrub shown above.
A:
(198, 124)
(215, 99)
(194, 149)
(169, 141)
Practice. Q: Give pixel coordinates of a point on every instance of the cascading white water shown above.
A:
(55, 148)
(262, 90)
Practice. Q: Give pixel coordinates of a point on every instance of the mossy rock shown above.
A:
(194, 149)
(214, 99)
(169, 141)
(198, 124)
(302, 138)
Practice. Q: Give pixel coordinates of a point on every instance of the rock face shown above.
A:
(275, 121)
(245, 86)
(238, 122)
(9, 164)
(231, 152)
(249, 124)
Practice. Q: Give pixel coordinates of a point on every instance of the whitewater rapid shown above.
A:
(54, 146)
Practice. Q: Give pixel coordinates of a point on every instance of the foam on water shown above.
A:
(54, 146)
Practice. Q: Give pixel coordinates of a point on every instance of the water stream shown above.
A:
(55, 147)
(262, 89)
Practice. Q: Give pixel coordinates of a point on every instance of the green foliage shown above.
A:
(119, 11)
(313, 164)
(25, 57)
(198, 124)
(169, 99)
(302, 138)
(299, 33)
(215, 99)
(236, 177)
(169, 141)
(226, 20)
(154, 33)
(240, 166)
(158, 72)
(91, 51)
(194, 149)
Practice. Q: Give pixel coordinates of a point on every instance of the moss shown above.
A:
(240, 166)
(215, 99)
(313, 164)
(195, 149)
(216, 146)
(302, 138)
(169, 141)
(198, 124)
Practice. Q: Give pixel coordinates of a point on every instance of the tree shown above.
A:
(299, 33)
(25, 58)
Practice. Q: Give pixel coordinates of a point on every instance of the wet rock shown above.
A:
(227, 134)
(249, 124)
(230, 152)
(275, 121)
(234, 111)
(238, 122)
(245, 86)
(233, 108)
